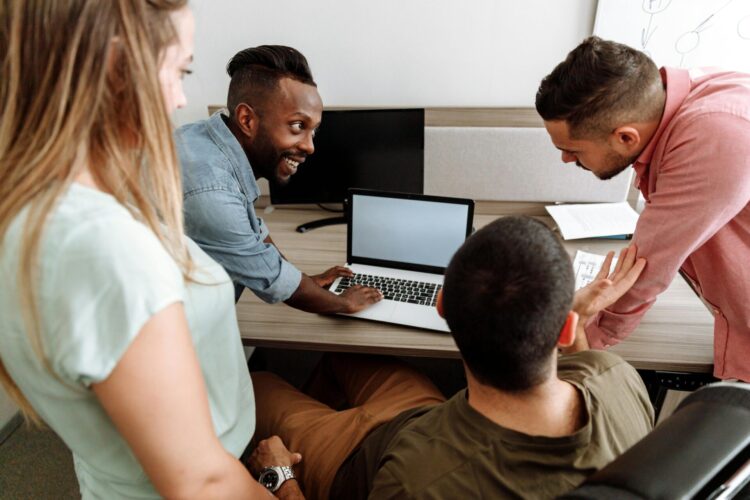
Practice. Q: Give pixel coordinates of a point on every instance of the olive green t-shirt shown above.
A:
(452, 451)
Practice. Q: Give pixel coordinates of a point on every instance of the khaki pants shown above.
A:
(373, 389)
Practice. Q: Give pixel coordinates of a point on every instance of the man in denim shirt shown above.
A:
(274, 110)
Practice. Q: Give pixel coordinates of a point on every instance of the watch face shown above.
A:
(269, 479)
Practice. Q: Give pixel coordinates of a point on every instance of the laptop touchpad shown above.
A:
(382, 311)
(417, 315)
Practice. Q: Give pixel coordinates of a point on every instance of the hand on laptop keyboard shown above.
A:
(359, 297)
(413, 292)
(327, 277)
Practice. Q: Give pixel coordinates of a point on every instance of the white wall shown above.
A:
(420, 53)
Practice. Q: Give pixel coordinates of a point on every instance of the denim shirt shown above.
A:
(219, 191)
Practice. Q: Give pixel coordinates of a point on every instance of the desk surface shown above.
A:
(676, 334)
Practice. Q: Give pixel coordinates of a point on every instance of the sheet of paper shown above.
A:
(586, 265)
(594, 219)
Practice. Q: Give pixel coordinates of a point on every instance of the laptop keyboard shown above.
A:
(413, 292)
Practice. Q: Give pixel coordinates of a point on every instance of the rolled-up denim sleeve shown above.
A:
(219, 222)
(264, 232)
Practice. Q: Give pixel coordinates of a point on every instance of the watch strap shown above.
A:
(284, 473)
(287, 472)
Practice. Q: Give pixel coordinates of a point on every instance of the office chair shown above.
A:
(700, 451)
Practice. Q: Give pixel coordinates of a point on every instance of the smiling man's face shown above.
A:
(286, 128)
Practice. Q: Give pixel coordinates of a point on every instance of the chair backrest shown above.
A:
(689, 455)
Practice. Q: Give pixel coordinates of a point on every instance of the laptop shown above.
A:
(401, 244)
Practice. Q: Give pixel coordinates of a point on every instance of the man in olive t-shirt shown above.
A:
(529, 424)
(453, 451)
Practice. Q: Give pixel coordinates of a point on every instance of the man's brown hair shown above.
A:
(600, 85)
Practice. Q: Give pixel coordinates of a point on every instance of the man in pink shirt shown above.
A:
(687, 134)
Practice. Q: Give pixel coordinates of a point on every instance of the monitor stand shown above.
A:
(330, 221)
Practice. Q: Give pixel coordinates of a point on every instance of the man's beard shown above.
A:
(265, 160)
(616, 163)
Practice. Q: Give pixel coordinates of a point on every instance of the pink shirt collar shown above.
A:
(677, 85)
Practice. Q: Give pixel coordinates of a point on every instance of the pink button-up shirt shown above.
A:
(695, 177)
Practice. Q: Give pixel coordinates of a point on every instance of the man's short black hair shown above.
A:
(600, 85)
(506, 297)
(255, 73)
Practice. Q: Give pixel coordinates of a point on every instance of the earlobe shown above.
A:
(627, 136)
(439, 303)
(568, 332)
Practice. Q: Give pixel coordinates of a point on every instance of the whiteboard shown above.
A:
(394, 53)
(681, 33)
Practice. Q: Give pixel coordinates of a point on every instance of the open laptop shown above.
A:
(401, 244)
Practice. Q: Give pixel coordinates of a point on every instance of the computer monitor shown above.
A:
(381, 149)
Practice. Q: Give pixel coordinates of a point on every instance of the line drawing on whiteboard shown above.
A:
(651, 7)
(690, 40)
(743, 28)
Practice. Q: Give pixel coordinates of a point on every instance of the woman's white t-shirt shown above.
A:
(102, 275)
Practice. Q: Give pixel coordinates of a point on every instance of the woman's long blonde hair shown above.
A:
(79, 88)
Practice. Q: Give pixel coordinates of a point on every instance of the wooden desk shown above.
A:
(675, 335)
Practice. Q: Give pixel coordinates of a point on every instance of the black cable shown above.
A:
(335, 210)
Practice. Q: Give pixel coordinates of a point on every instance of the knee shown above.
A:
(265, 384)
(265, 378)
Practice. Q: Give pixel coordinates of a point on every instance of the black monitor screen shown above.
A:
(380, 149)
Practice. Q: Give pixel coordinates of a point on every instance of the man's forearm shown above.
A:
(310, 297)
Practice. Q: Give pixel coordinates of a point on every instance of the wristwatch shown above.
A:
(273, 477)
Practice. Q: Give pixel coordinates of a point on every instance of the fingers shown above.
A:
(372, 294)
(272, 442)
(620, 260)
(606, 266)
(365, 291)
(582, 342)
(630, 276)
(625, 263)
(340, 271)
(359, 297)
(630, 256)
(273, 451)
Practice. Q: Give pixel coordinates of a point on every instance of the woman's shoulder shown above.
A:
(101, 275)
(91, 224)
(92, 245)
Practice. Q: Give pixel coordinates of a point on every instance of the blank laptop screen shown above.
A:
(409, 231)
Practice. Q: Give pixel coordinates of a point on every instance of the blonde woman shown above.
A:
(115, 330)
